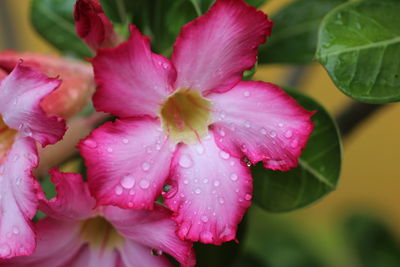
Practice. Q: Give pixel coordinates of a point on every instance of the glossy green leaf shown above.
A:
(359, 46)
(294, 36)
(318, 171)
(53, 20)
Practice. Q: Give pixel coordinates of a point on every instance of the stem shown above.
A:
(353, 115)
(196, 7)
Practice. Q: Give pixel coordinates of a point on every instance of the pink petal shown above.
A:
(212, 51)
(261, 122)
(210, 192)
(20, 95)
(134, 254)
(94, 257)
(75, 90)
(58, 245)
(152, 229)
(18, 203)
(73, 201)
(132, 80)
(93, 26)
(3, 74)
(127, 162)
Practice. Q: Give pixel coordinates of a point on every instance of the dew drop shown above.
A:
(144, 184)
(221, 200)
(145, 166)
(5, 250)
(158, 147)
(200, 149)
(216, 183)
(128, 181)
(246, 93)
(272, 134)
(118, 190)
(247, 197)
(233, 177)
(186, 181)
(263, 131)
(16, 157)
(90, 143)
(204, 218)
(247, 124)
(185, 161)
(156, 252)
(18, 181)
(130, 204)
(15, 230)
(109, 149)
(148, 150)
(294, 143)
(288, 134)
(205, 180)
(224, 155)
(197, 190)
(132, 192)
(222, 132)
(280, 124)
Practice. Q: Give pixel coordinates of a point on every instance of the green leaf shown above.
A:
(372, 240)
(318, 171)
(359, 46)
(53, 20)
(294, 36)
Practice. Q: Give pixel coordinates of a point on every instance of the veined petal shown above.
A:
(127, 162)
(73, 200)
(58, 245)
(260, 121)
(93, 26)
(212, 51)
(210, 192)
(132, 81)
(18, 202)
(74, 92)
(153, 229)
(20, 95)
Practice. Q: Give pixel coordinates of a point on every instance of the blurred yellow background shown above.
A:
(371, 167)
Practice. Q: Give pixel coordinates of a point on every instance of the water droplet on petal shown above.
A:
(263, 131)
(221, 200)
(156, 252)
(185, 161)
(18, 181)
(16, 157)
(5, 250)
(197, 190)
(204, 218)
(15, 230)
(288, 134)
(280, 124)
(233, 177)
(109, 149)
(247, 197)
(272, 134)
(200, 149)
(294, 143)
(224, 155)
(118, 190)
(145, 166)
(144, 184)
(148, 150)
(216, 183)
(130, 204)
(128, 181)
(205, 180)
(90, 143)
(186, 181)
(246, 93)
(247, 124)
(222, 132)
(125, 141)
(132, 192)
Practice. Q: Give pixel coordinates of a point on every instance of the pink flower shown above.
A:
(190, 124)
(93, 26)
(22, 122)
(76, 89)
(75, 234)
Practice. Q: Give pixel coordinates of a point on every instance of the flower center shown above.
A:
(185, 116)
(6, 138)
(98, 232)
